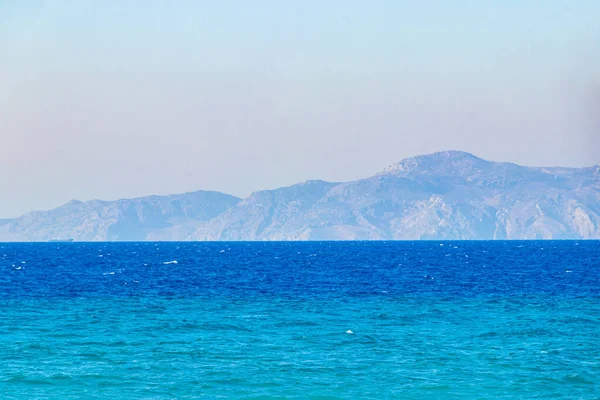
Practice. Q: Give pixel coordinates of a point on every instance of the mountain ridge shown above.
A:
(443, 195)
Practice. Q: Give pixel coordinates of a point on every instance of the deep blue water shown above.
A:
(271, 320)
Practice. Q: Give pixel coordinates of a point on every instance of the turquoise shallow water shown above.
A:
(206, 327)
(177, 348)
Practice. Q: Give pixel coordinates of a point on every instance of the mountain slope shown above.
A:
(146, 218)
(445, 195)
(267, 215)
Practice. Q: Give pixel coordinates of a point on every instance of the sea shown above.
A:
(300, 320)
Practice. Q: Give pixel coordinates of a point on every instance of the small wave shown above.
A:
(576, 378)
(170, 262)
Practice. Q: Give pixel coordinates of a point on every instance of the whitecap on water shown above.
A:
(170, 262)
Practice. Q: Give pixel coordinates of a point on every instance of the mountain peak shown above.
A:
(73, 202)
(434, 161)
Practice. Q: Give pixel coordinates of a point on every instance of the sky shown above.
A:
(111, 99)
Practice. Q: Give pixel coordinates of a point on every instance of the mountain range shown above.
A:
(444, 195)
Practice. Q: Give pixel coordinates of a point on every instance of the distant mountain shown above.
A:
(445, 195)
(145, 218)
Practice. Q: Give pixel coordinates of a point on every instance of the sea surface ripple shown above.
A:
(320, 320)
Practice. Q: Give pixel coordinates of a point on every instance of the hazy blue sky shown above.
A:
(108, 99)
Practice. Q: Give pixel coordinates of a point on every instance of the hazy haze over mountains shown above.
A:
(121, 99)
(445, 195)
